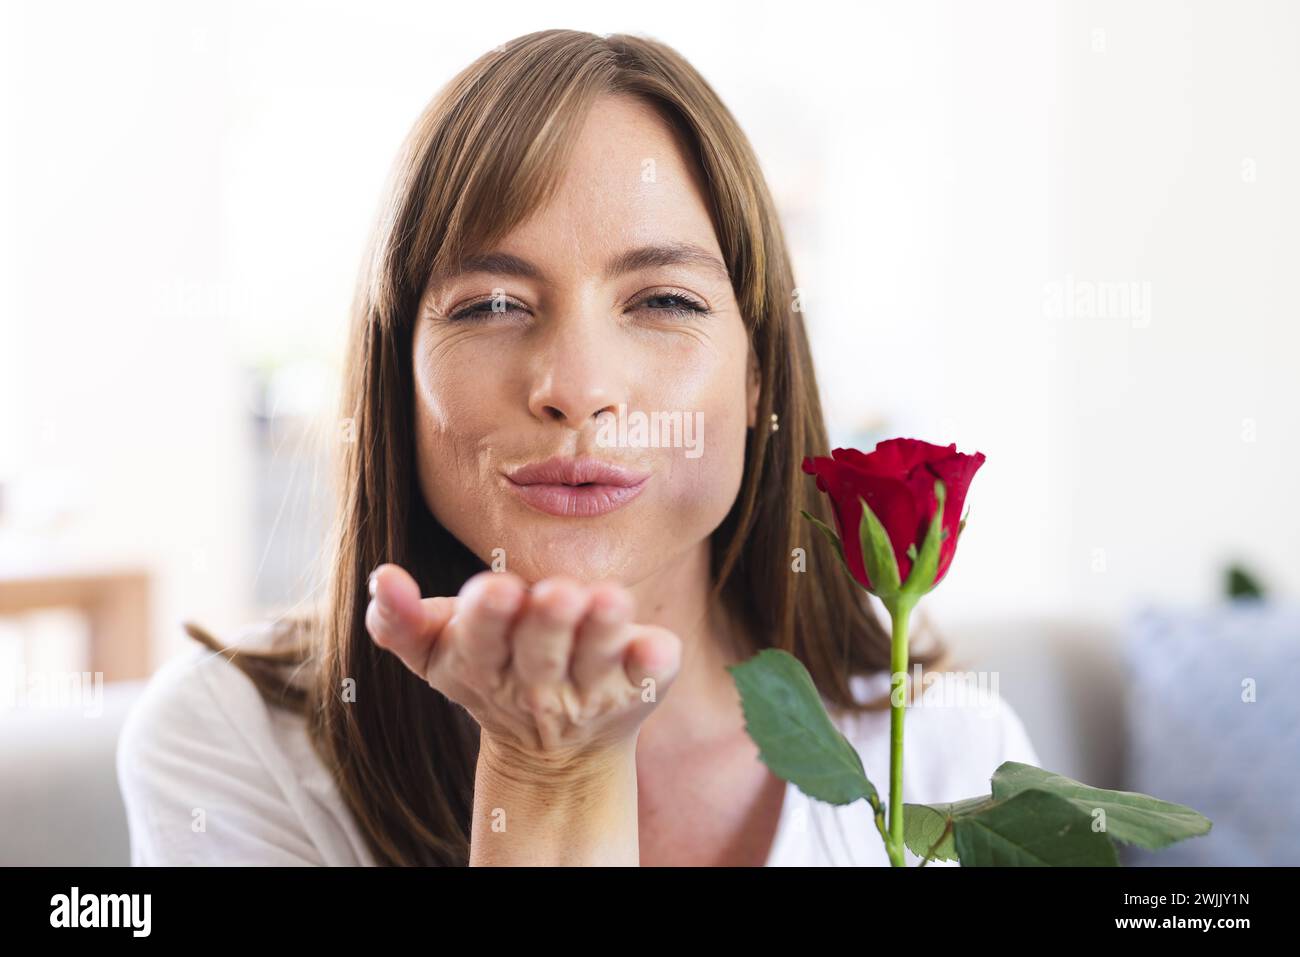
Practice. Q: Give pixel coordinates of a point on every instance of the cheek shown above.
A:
(452, 425)
(703, 477)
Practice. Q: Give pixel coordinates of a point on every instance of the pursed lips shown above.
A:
(581, 487)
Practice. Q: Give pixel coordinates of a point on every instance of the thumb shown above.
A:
(402, 622)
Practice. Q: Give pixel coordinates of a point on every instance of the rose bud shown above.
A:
(913, 492)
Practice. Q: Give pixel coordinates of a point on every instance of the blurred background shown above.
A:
(1063, 234)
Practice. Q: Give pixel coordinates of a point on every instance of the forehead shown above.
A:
(630, 180)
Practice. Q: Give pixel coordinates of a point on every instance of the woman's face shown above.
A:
(609, 305)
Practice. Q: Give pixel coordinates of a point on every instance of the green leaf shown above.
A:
(786, 717)
(923, 824)
(1242, 584)
(1032, 829)
(1131, 818)
(836, 544)
(926, 566)
(877, 554)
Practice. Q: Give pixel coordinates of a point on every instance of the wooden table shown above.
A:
(114, 600)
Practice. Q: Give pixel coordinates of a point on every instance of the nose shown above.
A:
(577, 373)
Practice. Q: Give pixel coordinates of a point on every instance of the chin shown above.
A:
(578, 565)
(544, 547)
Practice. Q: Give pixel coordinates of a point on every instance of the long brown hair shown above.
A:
(486, 152)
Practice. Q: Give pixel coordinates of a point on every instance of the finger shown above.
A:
(543, 638)
(602, 637)
(477, 635)
(400, 621)
(652, 660)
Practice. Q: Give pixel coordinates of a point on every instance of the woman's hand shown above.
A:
(551, 673)
(559, 679)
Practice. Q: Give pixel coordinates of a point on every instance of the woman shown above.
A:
(576, 232)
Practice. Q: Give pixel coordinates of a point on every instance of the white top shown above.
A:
(213, 776)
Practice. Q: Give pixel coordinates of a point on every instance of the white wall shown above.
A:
(122, 394)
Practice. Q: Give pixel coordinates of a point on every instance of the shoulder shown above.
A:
(198, 697)
(956, 733)
(209, 773)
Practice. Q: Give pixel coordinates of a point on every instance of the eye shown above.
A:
(675, 304)
(483, 310)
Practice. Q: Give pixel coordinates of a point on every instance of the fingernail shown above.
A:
(373, 584)
(607, 612)
(506, 604)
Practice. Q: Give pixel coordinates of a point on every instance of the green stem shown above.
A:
(880, 824)
(899, 613)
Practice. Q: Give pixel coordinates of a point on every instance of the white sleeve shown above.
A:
(1013, 739)
(201, 784)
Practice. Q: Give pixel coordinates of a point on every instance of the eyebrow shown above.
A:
(640, 257)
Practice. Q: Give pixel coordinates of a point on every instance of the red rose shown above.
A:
(897, 481)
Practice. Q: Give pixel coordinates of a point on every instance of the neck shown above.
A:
(702, 705)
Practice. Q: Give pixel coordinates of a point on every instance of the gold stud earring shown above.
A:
(775, 424)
